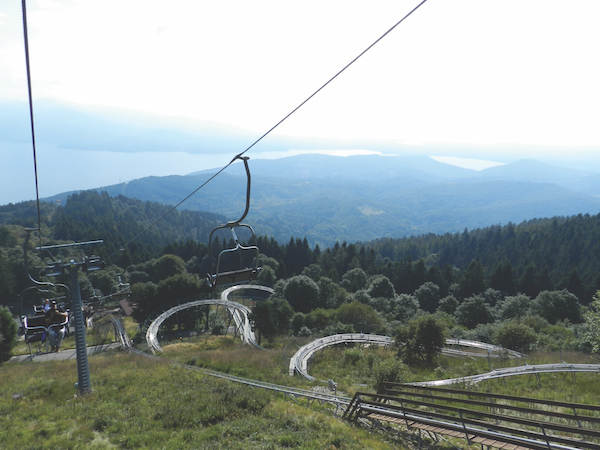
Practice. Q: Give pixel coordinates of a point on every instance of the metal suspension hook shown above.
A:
(26, 259)
(249, 178)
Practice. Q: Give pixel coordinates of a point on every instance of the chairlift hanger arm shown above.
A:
(245, 159)
(74, 244)
(26, 259)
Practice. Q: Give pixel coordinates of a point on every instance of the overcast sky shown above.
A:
(522, 75)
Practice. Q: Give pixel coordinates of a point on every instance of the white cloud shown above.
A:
(480, 72)
(464, 71)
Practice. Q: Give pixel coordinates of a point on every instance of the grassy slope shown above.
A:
(139, 403)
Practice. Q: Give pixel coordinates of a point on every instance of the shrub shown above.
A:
(338, 327)
(8, 333)
(515, 336)
(391, 369)
(353, 355)
(421, 340)
(473, 311)
(591, 337)
(304, 331)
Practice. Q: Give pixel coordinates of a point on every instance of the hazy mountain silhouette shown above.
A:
(359, 198)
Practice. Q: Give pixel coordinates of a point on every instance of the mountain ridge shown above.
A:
(358, 198)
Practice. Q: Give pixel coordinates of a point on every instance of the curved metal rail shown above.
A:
(493, 350)
(238, 311)
(512, 371)
(226, 292)
(294, 393)
(299, 362)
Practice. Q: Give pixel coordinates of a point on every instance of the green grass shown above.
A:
(141, 403)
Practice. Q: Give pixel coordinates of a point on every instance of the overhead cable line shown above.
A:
(273, 127)
(37, 192)
(330, 80)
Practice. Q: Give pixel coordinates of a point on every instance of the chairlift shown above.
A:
(34, 326)
(93, 263)
(121, 290)
(53, 269)
(35, 301)
(220, 277)
(97, 297)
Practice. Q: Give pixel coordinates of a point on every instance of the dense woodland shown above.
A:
(543, 271)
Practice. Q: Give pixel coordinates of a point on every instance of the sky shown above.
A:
(476, 80)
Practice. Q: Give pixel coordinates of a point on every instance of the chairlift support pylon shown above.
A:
(218, 277)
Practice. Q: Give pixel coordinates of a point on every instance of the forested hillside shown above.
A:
(482, 280)
(90, 216)
(537, 255)
(556, 253)
(360, 198)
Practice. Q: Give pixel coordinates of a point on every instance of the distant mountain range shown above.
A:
(361, 198)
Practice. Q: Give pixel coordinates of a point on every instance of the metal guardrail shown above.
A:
(226, 292)
(495, 350)
(291, 392)
(120, 333)
(246, 328)
(485, 418)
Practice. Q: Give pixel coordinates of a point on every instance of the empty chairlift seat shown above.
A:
(222, 272)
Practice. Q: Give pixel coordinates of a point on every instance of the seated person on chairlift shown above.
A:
(57, 333)
(47, 305)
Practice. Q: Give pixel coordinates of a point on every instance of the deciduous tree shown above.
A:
(515, 336)
(557, 305)
(421, 339)
(302, 293)
(473, 311)
(428, 296)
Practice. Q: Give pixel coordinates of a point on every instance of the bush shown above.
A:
(217, 325)
(473, 311)
(363, 318)
(391, 369)
(304, 331)
(515, 336)
(353, 355)
(557, 305)
(421, 340)
(8, 333)
(338, 328)
(591, 335)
